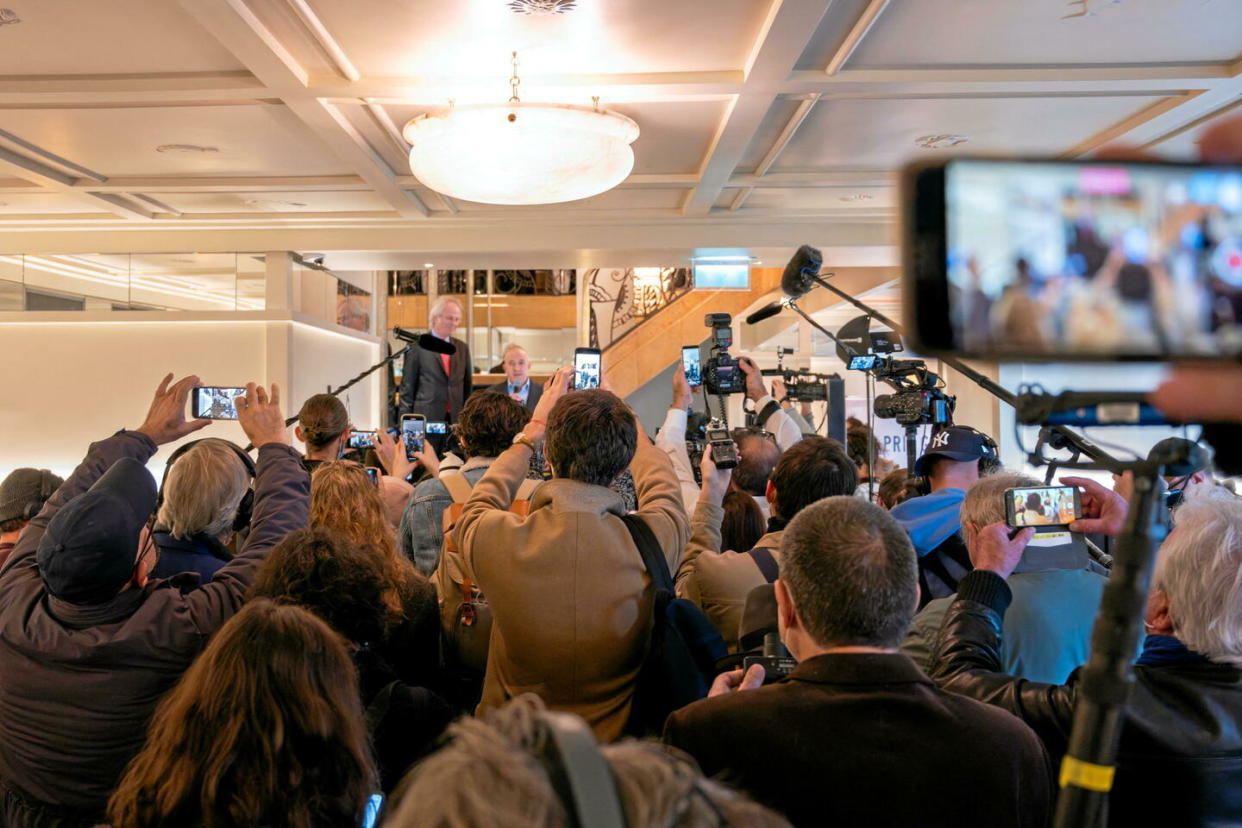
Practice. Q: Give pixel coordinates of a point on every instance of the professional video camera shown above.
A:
(722, 375)
(919, 399)
(801, 385)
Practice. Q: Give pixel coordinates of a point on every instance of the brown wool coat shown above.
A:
(571, 600)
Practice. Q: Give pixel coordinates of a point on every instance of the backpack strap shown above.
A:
(457, 485)
(649, 548)
(766, 562)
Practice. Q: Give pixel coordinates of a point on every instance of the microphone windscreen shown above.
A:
(801, 270)
(436, 345)
(766, 312)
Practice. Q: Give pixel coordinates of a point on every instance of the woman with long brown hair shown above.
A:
(345, 502)
(265, 728)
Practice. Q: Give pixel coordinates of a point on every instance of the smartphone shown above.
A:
(587, 363)
(374, 472)
(437, 428)
(1042, 506)
(413, 429)
(1073, 260)
(215, 402)
(691, 365)
(361, 440)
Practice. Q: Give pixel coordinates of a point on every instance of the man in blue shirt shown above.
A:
(518, 385)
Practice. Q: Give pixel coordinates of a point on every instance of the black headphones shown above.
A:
(245, 507)
(989, 462)
(47, 488)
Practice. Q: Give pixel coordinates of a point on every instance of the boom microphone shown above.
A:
(426, 341)
(766, 312)
(800, 273)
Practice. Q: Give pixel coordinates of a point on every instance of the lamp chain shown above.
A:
(515, 81)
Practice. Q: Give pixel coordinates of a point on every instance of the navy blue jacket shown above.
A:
(198, 553)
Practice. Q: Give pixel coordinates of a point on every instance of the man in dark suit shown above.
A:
(436, 385)
(857, 734)
(518, 384)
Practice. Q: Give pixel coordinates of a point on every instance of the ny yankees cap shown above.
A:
(961, 443)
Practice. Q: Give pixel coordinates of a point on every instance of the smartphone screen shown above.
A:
(1060, 260)
(437, 428)
(360, 440)
(413, 429)
(691, 364)
(374, 473)
(586, 368)
(1042, 506)
(215, 402)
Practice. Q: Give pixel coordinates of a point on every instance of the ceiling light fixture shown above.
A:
(856, 197)
(521, 153)
(543, 6)
(186, 148)
(272, 205)
(428, 265)
(8, 17)
(940, 141)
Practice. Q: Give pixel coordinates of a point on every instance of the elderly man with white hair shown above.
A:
(518, 385)
(436, 385)
(1180, 752)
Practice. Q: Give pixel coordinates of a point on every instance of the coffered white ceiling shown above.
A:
(764, 122)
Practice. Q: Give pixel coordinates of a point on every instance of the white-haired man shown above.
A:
(518, 385)
(436, 385)
(1180, 751)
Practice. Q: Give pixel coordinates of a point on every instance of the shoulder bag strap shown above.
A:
(766, 562)
(649, 548)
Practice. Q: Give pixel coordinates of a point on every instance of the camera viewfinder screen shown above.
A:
(862, 363)
(216, 403)
(1043, 506)
(586, 370)
(437, 428)
(1053, 259)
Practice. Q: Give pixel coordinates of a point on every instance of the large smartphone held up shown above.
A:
(1042, 506)
(413, 430)
(215, 402)
(360, 440)
(692, 365)
(587, 362)
(1073, 260)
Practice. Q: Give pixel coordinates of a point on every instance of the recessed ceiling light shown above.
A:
(542, 6)
(9, 17)
(185, 148)
(940, 141)
(856, 197)
(428, 265)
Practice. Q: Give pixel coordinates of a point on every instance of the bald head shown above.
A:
(757, 456)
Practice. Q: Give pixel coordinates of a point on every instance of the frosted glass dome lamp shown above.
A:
(521, 153)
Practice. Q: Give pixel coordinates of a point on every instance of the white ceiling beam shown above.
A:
(325, 39)
(49, 179)
(788, 29)
(212, 184)
(856, 34)
(237, 28)
(778, 146)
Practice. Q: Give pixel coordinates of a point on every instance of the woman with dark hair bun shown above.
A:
(265, 728)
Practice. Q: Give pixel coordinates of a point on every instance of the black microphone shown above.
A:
(766, 312)
(425, 341)
(800, 273)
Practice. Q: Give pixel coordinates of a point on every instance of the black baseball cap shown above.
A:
(1197, 458)
(961, 443)
(89, 549)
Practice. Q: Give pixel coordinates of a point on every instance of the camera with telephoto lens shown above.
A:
(776, 660)
(720, 444)
(919, 400)
(721, 373)
(803, 386)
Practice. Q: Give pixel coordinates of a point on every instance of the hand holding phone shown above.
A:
(214, 402)
(413, 431)
(691, 364)
(1042, 506)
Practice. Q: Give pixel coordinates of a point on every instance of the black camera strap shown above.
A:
(766, 412)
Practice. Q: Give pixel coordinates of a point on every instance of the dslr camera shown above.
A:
(722, 375)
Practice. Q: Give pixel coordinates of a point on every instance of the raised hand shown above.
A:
(392, 455)
(993, 549)
(1103, 511)
(166, 417)
(259, 415)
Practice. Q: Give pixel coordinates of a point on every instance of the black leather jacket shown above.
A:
(1180, 759)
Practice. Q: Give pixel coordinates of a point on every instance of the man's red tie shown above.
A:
(444, 360)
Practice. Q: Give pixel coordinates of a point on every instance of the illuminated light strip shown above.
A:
(72, 272)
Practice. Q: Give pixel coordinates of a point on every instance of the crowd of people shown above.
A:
(284, 640)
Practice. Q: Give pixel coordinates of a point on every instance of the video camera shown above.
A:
(919, 398)
(722, 375)
(801, 385)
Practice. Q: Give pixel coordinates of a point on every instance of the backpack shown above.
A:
(465, 617)
(681, 661)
